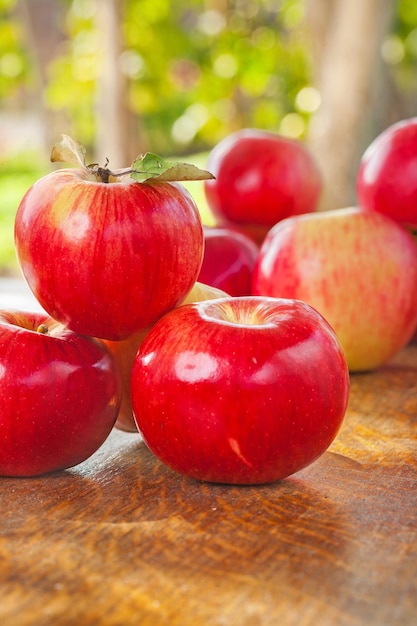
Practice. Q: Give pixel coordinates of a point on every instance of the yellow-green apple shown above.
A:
(228, 261)
(357, 268)
(124, 353)
(59, 395)
(252, 389)
(260, 178)
(386, 179)
(105, 254)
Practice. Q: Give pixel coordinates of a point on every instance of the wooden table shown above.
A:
(122, 540)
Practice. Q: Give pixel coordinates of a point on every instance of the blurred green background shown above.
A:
(128, 76)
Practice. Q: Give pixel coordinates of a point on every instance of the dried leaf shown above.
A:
(68, 151)
(150, 167)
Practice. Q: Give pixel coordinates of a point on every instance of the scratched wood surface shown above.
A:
(122, 540)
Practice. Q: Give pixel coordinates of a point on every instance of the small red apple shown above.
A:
(105, 254)
(241, 390)
(259, 179)
(124, 353)
(59, 395)
(387, 175)
(357, 268)
(228, 260)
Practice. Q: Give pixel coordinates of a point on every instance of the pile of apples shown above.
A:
(356, 265)
(227, 348)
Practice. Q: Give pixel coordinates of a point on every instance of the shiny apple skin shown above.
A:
(387, 175)
(107, 259)
(248, 391)
(228, 261)
(260, 179)
(59, 395)
(357, 268)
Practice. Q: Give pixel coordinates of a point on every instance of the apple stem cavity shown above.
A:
(146, 168)
(237, 314)
(102, 174)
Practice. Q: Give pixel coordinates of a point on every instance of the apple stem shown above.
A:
(102, 173)
(145, 167)
(43, 329)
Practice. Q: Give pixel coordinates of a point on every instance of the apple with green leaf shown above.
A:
(107, 253)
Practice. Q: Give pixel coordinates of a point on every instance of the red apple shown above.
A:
(261, 178)
(228, 261)
(249, 391)
(107, 255)
(124, 353)
(59, 395)
(357, 268)
(387, 175)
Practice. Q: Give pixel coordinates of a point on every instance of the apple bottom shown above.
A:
(240, 390)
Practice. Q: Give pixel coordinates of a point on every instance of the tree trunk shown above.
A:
(346, 51)
(41, 20)
(116, 134)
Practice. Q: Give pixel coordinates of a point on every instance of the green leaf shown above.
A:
(150, 167)
(68, 151)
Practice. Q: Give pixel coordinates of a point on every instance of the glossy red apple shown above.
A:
(387, 175)
(249, 391)
(357, 268)
(107, 255)
(124, 353)
(261, 178)
(228, 260)
(59, 395)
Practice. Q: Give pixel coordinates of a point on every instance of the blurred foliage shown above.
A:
(399, 50)
(213, 71)
(194, 72)
(14, 67)
(196, 69)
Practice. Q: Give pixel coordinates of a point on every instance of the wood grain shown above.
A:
(122, 540)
